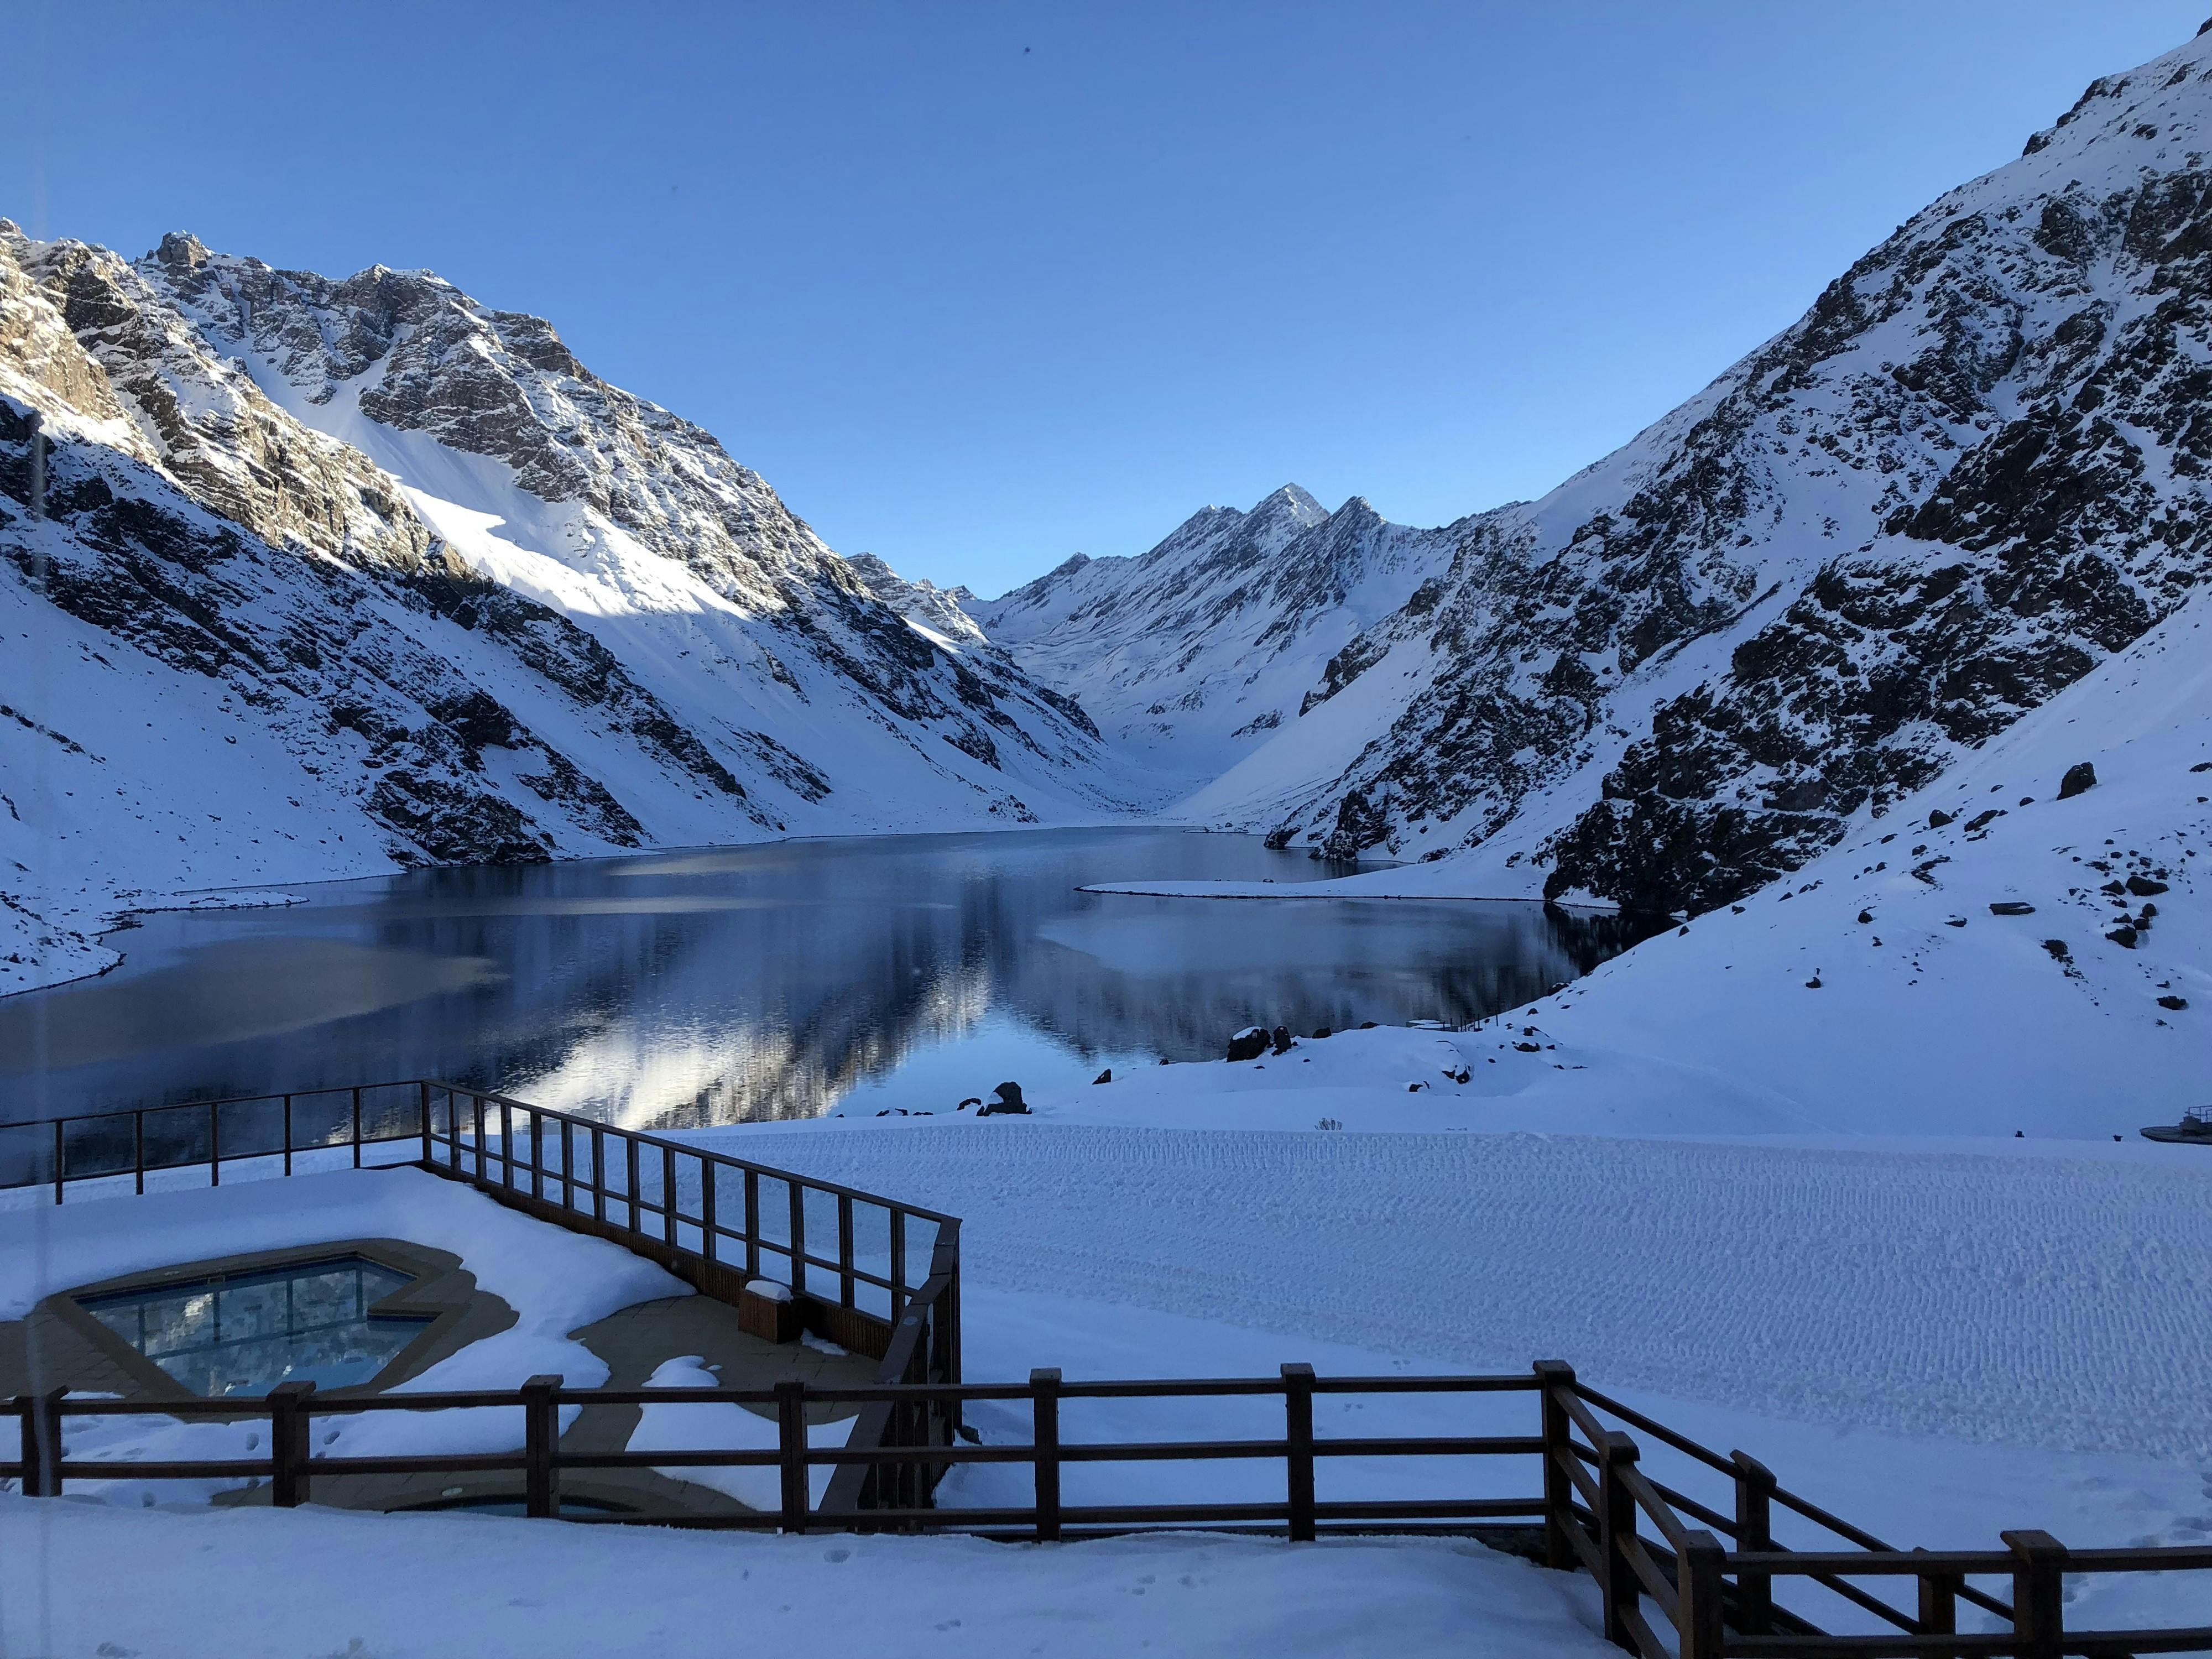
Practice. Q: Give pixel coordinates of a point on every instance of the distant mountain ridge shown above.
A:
(1191, 654)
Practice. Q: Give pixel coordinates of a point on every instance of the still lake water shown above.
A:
(729, 984)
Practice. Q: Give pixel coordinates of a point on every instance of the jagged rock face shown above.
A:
(203, 418)
(1193, 652)
(1976, 468)
(939, 610)
(412, 352)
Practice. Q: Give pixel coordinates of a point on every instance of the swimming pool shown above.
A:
(244, 1333)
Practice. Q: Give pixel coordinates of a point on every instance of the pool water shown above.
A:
(243, 1333)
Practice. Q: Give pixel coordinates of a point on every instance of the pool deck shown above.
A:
(59, 1344)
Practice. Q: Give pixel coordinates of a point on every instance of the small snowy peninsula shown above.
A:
(1874, 684)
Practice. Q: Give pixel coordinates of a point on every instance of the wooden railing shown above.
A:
(1650, 1545)
(871, 1273)
(291, 1465)
(719, 1222)
(1670, 1588)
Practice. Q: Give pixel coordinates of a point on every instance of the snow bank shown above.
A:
(323, 1583)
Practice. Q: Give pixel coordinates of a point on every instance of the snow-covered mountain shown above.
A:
(379, 569)
(331, 573)
(1191, 655)
(1975, 469)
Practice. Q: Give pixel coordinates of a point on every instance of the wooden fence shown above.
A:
(1670, 1588)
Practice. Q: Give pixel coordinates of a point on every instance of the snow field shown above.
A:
(2033, 1302)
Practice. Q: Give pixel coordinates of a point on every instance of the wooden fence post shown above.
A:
(46, 1413)
(1298, 1438)
(541, 1430)
(1044, 1402)
(41, 1448)
(791, 1445)
(288, 1444)
(1754, 1531)
(1939, 1601)
(2038, 1615)
(1554, 1376)
(1616, 1525)
(1698, 1569)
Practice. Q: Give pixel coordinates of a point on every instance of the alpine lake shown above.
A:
(786, 980)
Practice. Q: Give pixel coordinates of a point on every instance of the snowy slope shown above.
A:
(2091, 1014)
(1190, 655)
(1932, 1014)
(1974, 469)
(383, 571)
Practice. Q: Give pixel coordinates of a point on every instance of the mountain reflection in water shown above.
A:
(773, 981)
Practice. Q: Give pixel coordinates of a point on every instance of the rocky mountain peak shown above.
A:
(181, 251)
(1289, 509)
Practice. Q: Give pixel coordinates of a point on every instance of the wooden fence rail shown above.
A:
(1670, 1588)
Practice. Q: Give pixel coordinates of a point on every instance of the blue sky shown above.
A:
(978, 286)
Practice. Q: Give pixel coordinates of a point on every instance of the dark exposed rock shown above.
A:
(1249, 1044)
(2144, 887)
(1939, 817)
(2012, 908)
(1005, 1101)
(2079, 777)
(2124, 936)
(2174, 1004)
(1106, 1076)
